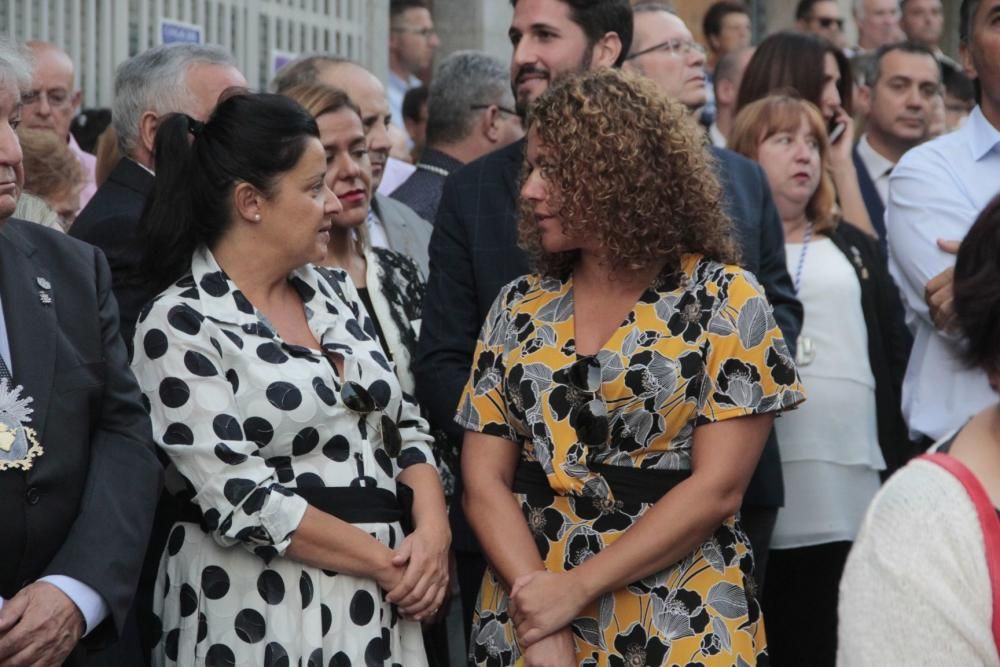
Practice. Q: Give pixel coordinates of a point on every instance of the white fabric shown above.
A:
(878, 167)
(377, 238)
(396, 171)
(936, 192)
(395, 92)
(916, 588)
(715, 135)
(87, 600)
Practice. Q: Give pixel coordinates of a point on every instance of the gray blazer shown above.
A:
(408, 233)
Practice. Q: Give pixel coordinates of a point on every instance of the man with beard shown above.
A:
(473, 250)
(678, 71)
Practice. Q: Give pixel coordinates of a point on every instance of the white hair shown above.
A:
(156, 80)
(15, 65)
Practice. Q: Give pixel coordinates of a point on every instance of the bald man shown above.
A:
(53, 101)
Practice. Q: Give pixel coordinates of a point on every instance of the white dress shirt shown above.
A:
(936, 192)
(879, 167)
(396, 91)
(88, 601)
(716, 136)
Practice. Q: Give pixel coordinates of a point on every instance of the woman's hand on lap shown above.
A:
(424, 585)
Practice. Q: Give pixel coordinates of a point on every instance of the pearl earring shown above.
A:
(257, 217)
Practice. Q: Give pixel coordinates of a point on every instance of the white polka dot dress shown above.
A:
(246, 419)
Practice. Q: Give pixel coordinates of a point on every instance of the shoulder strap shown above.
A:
(988, 521)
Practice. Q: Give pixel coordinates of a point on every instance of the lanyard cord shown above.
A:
(802, 257)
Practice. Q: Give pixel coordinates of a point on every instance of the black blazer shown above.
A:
(473, 253)
(109, 222)
(889, 341)
(85, 508)
(873, 202)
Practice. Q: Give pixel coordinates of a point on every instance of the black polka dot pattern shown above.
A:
(246, 418)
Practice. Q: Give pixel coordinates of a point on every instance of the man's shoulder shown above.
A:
(58, 250)
(389, 207)
(734, 167)
(502, 160)
(937, 155)
(112, 204)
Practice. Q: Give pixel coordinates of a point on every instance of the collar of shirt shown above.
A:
(983, 137)
(436, 158)
(715, 135)
(876, 163)
(399, 83)
(4, 341)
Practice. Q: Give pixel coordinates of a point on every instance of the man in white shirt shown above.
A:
(412, 42)
(878, 24)
(904, 80)
(923, 22)
(936, 192)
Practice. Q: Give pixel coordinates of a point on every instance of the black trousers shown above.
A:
(800, 604)
(758, 523)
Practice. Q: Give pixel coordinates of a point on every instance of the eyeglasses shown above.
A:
(588, 412)
(480, 107)
(57, 97)
(675, 47)
(426, 33)
(828, 22)
(364, 402)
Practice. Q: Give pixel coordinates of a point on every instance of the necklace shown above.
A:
(440, 171)
(805, 348)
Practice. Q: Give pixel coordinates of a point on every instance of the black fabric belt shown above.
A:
(353, 504)
(630, 485)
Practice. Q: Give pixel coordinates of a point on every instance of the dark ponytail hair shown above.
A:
(251, 138)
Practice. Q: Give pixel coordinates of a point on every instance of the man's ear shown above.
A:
(606, 50)
(864, 94)
(725, 92)
(75, 101)
(246, 202)
(490, 124)
(968, 64)
(148, 124)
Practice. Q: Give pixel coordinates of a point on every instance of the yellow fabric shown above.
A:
(702, 349)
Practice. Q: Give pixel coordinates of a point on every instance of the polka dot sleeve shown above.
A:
(198, 424)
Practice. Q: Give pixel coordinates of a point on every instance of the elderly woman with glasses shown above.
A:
(620, 399)
(288, 435)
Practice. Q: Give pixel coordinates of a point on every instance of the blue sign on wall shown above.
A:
(174, 32)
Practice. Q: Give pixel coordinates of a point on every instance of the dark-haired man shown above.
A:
(936, 192)
(903, 83)
(412, 42)
(727, 29)
(676, 70)
(823, 18)
(473, 249)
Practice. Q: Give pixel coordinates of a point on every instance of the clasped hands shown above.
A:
(542, 605)
(39, 627)
(416, 578)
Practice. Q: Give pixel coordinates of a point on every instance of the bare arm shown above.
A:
(488, 464)
(723, 460)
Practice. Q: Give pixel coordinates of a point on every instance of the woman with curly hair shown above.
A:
(620, 399)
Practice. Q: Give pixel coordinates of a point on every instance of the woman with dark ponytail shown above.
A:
(285, 427)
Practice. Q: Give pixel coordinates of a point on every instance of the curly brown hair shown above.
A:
(630, 169)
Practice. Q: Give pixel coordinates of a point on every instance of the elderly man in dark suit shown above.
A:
(165, 79)
(78, 475)
(474, 246)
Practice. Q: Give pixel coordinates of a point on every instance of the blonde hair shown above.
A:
(50, 168)
(768, 116)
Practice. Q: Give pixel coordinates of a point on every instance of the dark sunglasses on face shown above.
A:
(364, 402)
(828, 22)
(588, 411)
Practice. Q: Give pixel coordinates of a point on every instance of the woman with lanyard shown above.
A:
(851, 356)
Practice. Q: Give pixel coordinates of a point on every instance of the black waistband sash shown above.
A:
(353, 504)
(630, 485)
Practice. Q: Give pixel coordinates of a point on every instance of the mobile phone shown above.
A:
(835, 130)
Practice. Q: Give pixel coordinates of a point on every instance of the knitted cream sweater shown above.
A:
(916, 588)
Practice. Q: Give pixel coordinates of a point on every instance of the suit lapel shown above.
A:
(512, 169)
(32, 326)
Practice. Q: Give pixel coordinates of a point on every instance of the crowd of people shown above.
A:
(634, 350)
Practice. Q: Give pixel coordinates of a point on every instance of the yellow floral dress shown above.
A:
(695, 350)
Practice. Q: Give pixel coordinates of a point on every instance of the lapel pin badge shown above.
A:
(43, 283)
(45, 297)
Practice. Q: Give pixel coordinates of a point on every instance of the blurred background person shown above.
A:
(727, 79)
(920, 586)
(108, 155)
(579, 398)
(52, 173)
(923, 22)
(415, 119)
(400, 144)
(470, 112)
(287, 462)
(959, 97)
(726, 28)
(34, 209)
(901, 94)
(53, 101)
(87, 125)
(851, 359)
(412, 43)
(390, 224)
(792, 61)
(823, 18)
(878, 24)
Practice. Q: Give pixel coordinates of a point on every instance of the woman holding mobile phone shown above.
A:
(789, 61)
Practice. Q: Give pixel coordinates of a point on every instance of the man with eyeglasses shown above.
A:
(823, 18)
(53, 101)
(470, 112)
(412, 42)
(664, 50)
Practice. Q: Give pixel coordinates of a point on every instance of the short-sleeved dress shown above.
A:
(695, 350)
(245, 418)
